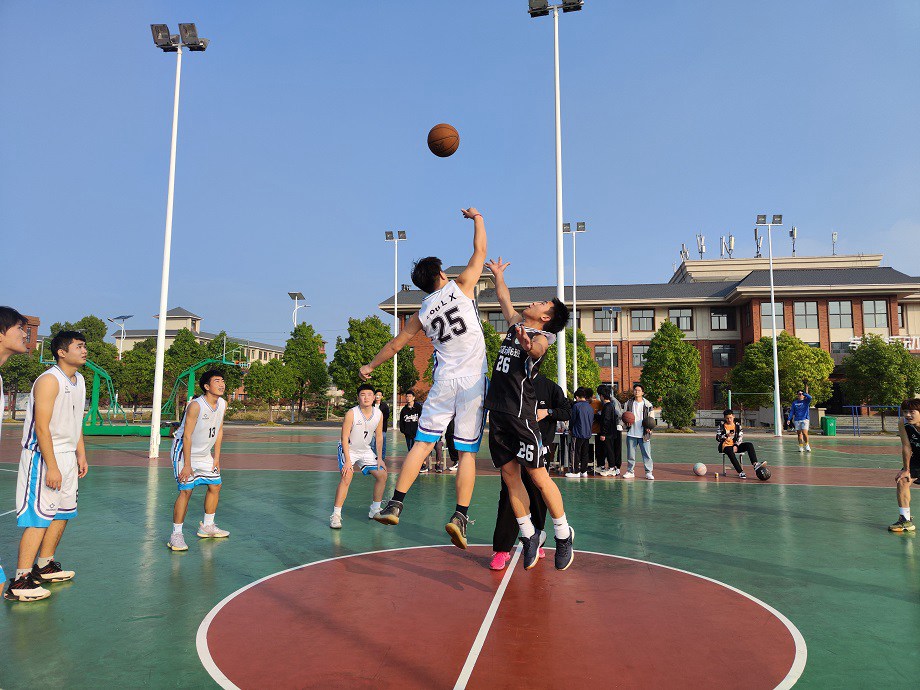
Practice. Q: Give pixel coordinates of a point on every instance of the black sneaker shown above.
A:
(742, 475)
(531, 552)
(565, 554)
(25, 588)
(390, 514)
(51, 573)
(456, 528)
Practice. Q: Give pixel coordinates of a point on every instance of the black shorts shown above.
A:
(512, 438)
(914, 473)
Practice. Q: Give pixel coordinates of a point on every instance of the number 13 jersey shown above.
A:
(451, 320)
(207, 426)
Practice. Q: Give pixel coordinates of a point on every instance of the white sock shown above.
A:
(561, 527)
(208, 519)
(527, 528)
(20, 573)
(337, 510)
(177, 528)
(375, 505)
(905, 512)
(42, 562)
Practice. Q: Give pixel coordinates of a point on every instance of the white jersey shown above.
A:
(66, 424)
(207, 426)
(363, 430)
(451, 320)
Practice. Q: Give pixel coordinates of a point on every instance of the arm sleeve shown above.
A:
(720, 433)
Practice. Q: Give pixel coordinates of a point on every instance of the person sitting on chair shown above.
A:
(729, 435)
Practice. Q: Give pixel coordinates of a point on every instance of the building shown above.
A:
(32, 324)
(722, 305)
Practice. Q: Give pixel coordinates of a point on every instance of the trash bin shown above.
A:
(830, 426)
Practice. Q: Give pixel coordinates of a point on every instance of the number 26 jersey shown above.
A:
(451, 320)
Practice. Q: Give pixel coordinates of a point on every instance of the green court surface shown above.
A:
(819, 554)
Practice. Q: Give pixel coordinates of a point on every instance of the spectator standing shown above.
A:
(580, 429)
(799, 416)
(637, 436)
(551, 399)
(611, 431)
(408, 419)
(381, 404)
(600, 452)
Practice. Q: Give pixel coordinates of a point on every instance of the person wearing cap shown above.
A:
(799, 417)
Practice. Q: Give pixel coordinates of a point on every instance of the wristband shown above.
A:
(477, 215)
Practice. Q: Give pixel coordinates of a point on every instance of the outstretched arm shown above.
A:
(470, 276)
(535, 346)
(502, 291)
(392, 347)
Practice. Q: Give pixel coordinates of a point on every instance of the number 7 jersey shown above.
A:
(451, 320)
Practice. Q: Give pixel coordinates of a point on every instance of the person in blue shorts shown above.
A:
(799, 418)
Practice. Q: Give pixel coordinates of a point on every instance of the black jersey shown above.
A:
(511, 388)
(913, 436)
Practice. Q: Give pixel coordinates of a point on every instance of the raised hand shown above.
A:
(365, 372)
(497, 266)
(523, 338)
(470, 212)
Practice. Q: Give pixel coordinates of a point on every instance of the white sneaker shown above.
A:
(573, 475)
(211, 531)
(177, 542)
(807, 448)
(424, 470)
(628, 475)
(453, 468)
(584, 474)
(335, 521)
(649, 475)
(373, 511)
(604, 473)
(801, 449)
(615, 472)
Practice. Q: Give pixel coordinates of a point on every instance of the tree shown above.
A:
(135, 374)
(91, 326)
(271, 382)
(800, 365)
(880, 373)
(224, 345)
(183, 353)
(671, 375)
(305, 361)
(19, 373)
(365, 338)
(589, 373)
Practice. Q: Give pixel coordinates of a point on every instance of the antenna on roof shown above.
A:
(730, 247)
(833, 244)
(701, 245)
(794, 233)
(684, 252)
(758, 240)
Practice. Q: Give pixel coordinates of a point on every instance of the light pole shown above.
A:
(297, 296)
(611, 314)
(395, 238)
(541, 8)
(120, 322)
(567, 229)
(168, 43)
(777, 412)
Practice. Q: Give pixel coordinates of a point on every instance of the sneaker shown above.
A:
(902, 525)
(424, 469)
(584, 474)
(628, 475)
(573, 475)
(335, 521)
(540, 552)
(25, 588)
(390, 514)
(742, 475)
(801, 449)
(211, 531)
(453, 468)
(564, 552)
(372, 512)
(456, 528)
(531, 551)
(807, 448)
(177, 542)
(615, 472)
(499, 560)
(51, 573)
(758, 465)
(650, 476)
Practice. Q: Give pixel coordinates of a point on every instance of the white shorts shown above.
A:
(364, 459)
(801, 426)
(460, 400)
(36, 504)
(202, 468)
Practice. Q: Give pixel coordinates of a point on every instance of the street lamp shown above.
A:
(297, 296)
(567, 229)
(168, 43)
(541, 8)
(777, 412)
(611, 314)
(395, 238)
(120, 322)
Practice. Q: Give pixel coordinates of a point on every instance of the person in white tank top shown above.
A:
(450, 319)
(53, 458)
(201, 431)
(362, 431)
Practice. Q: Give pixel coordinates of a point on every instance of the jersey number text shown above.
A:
(458, 327)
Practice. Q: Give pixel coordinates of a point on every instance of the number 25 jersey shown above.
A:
(451, 320)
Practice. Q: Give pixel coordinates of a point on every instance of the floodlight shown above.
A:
(777, 220)
(190, 39)
(401, 234)
(566, 227)
(571, 5)
(296, 295)
(162, 38)
(538, 8)
(762, 220)
(113, 319)
(794, 233)
(389, 235)
(579, 227)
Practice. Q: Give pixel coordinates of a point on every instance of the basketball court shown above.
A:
(686, 581)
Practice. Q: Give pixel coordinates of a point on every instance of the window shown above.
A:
(817, 346)
(806, 314)
(840, 348)
(875, 314)
(682, 318)
(840, 314)
(746, 318)
(766, 323)
(572, 316)
(639, 352)
(602, 356)
(497, 321)
(718, 394)
(643, 319)
(722, 319)
(602, 321)
(900, 319)
(723, 355)
(29, 328)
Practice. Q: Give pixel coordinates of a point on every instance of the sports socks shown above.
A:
(561, 527)
(462, 509)
(177, 528)
(20, 572)
(905, 512)
(42, 562)
(399, 496)
(208, 519)
(337, 510)
(374, 506)
(527, 528)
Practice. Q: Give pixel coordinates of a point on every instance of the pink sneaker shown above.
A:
(499, 560)
(541, 553)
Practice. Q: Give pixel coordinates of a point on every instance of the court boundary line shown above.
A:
(8, 512)
(800, 658)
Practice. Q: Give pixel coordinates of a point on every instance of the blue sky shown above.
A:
(302, 139)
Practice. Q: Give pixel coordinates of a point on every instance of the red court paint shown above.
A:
(606, 622)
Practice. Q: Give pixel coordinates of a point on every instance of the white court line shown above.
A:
(480, 640)
(3, 469)
(8, 512)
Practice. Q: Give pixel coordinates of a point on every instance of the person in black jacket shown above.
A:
(729, 436)
(552, 407)
(408, 419)
(611, 434)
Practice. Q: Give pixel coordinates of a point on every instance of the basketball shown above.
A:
(699, 469)
(443, 140)
(763, 473)
(629, 418)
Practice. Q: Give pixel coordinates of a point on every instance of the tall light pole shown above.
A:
(168, 43)
(297, 296)
(541, 8)
(567, 229)
(120, 322)
(395, 238)
(777, 411)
